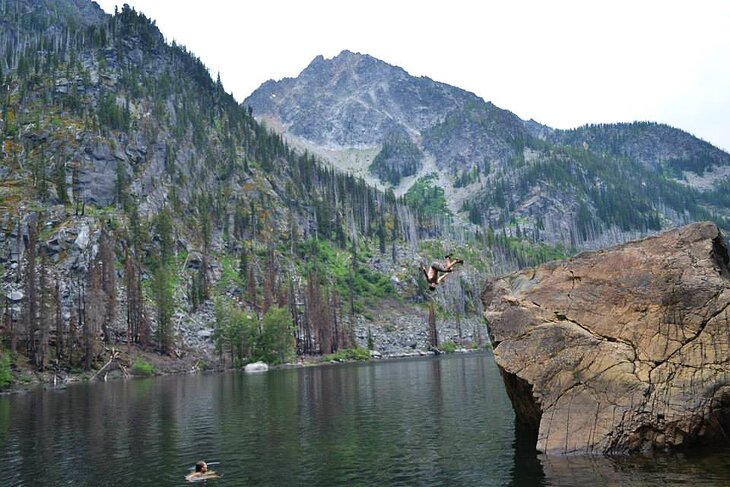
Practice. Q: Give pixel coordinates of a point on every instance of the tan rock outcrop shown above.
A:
(619, 350)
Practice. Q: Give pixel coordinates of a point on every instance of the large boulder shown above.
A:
(619, 350)
(256, 367)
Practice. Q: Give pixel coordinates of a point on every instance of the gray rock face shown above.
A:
(621, 350)
(96, 182)
(481, 135)
(82, 240)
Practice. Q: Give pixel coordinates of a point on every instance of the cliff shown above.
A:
(620, 350)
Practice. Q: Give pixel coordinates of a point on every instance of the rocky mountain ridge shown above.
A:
(367, 98)
(496, 170)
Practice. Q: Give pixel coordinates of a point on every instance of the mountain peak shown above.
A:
(364, 99)
(349, 56)
(346, 53)
(352, 62)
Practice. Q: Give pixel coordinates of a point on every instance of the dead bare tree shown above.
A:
(46, 312)
(73, 336)
(108, 283)
(129, 281)
(433, 338)
(325, 329)
(204, 279)
(115, 360)
(312, 315)
(30, 316)
(137, 324)
(10, 325)
(251, 294)
(59, 323)
(19, 250)
(95, 307)
(269, 282)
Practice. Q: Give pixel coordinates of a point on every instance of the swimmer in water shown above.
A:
(201, 473)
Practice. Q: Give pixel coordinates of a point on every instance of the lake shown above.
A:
(431, 421)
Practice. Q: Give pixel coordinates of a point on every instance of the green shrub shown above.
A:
(448, 347)
(344, 275)
(339, 356)
(357, 354)
(426, 195)
(141, 367)
(360, 353)
(249, 339)
(276, 343)
(202, 365)
(236, 331)
(6, 377)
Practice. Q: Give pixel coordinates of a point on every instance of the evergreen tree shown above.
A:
(277, 339)
(60, 183)
(121, 186)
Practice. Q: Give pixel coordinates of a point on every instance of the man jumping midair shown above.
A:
(432, 273)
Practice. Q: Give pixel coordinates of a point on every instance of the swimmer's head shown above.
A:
(201, 467)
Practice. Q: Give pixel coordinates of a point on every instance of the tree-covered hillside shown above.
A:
(656, 146)
(137, 194)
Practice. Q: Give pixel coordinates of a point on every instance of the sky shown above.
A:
(561, 63)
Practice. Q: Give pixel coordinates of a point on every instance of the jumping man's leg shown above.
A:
(437, 266)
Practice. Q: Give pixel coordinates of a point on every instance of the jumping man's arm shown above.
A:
(425, 272)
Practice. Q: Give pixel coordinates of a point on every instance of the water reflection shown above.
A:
(527, 470)
(439, 421)
(698, 468)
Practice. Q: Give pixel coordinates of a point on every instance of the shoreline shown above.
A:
(169, 366)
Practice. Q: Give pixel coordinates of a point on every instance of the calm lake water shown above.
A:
(432, 421)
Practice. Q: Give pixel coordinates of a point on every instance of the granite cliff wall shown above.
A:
(619, 350)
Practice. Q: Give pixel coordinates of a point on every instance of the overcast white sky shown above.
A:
(562, 63)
